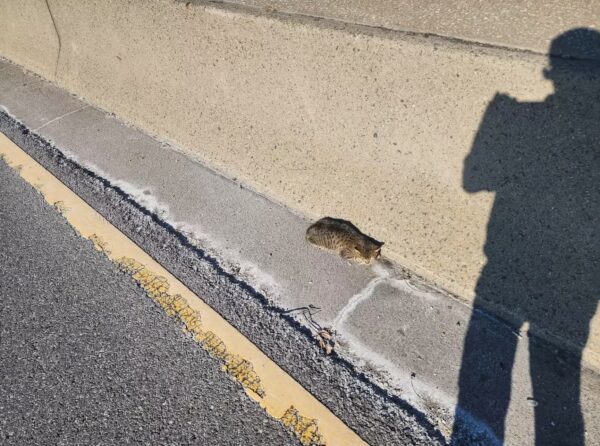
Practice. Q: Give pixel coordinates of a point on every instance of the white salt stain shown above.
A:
(5, 109)
(412, 388)
(417, 391)
(383, 274)
(229, 259)
(233, 263)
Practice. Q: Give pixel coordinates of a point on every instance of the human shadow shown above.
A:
(542, 161)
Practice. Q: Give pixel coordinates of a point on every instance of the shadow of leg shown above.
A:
(484, 382)
(556, 390)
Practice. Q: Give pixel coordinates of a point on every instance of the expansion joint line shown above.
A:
(57, 36)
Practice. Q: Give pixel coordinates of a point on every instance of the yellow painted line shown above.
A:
(264, 381)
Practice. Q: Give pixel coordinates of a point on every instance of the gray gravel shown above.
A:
(86, 358)
(377, 416)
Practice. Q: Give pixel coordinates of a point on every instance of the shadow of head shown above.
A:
(577, 50)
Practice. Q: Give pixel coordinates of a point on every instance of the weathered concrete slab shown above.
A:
(33, 99)
(263, 241)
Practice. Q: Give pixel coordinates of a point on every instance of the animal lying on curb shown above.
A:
(344, 238)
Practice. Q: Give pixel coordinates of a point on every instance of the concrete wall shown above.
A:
(525, 24)
(329, 119)
(28, 36)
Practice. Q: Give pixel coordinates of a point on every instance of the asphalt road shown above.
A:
(87, 358)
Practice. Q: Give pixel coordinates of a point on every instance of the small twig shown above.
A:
(310, 307)
(311, 310)
(323, 335)
(412, 375)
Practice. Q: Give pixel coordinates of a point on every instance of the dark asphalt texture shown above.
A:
(87, 358)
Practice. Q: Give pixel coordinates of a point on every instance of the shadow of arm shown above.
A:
(484, 167)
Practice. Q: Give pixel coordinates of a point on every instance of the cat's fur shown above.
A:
(345, 238)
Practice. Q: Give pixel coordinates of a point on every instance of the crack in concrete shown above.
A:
(57, 36)
(60, 117)
(383, 275)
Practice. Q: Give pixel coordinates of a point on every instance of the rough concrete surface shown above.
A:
(87, 358)
(39, 111)
(28, 35)
(390, 328)
(529, 25)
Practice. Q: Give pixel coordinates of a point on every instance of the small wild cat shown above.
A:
(345, 238)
